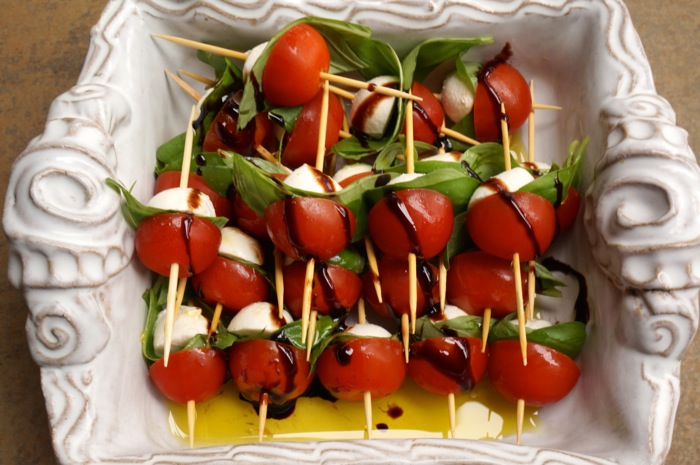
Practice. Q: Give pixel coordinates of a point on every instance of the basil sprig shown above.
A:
(567, 338)
(463, 326)
(135, 212)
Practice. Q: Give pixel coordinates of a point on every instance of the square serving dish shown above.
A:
(636, 241)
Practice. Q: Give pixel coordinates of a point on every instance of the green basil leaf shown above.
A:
(154, 297)
(462, 326)
(289, 115)
(199, 341)
(256, 187)
(466, 127)
(350, 259)
(169, 154)
(547, 283)
(468, 72)
(222, 339)
(553, 185)
(459, 239)
(567, 338)
(291, 333)
(485, 160)
(425, 329)
(426, 56)
(353, 197)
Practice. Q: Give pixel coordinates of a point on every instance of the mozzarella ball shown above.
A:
(237, 244)
(184, 199)
(512, 180)
(351, 170)
(532, 324)
(258, 318)
(447, 156)
(456, 97)
(370, 112)
(368, 330)
(189, 322)
(406, 177)
(310, 179)
(253, 55)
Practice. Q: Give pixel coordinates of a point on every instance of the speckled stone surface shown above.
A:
(43, 44)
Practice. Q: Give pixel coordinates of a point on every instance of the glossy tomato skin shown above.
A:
(246, 218)
(428, 115)
(231, 283)
(416, 221)
(261, 366)
(193, 374)
(301, 147)
(568, 210)
(171, 179)
(349, 369)
(309, 227)
(393, 276)
(547, 378)
(291, 75)
(335, 289)
(447, 365)
(224, 133)
(182, 238)
(508, 222)
(477, 280)
(499, 78)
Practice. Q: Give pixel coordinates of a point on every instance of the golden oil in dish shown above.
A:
(408, 413)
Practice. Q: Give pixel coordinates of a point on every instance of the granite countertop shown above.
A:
(43, 45)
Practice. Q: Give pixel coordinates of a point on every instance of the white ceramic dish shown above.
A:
(637, 242)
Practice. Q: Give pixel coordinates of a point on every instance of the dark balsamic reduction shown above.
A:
(473, 174)
(485, 74)
(419, 111)
(443, 143)
(328, 288)
(581, 303)
(194, 199)
(381, 426)
(398, 208)
(289, 365)
(394, 411)
(497, 186)
(274, 411)
(186, 226)
(258, 94)
(277, 119)
(290, 219)
(451, 359)
(343, 353)
(200, 160)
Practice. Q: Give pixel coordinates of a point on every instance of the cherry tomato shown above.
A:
(260, 366)
(309, 227)
(509, 222)
(349, 369)
(411, 221)
(335, 289)
(193, 374)
(447, 365)
(393, 276)
(303, 141)
(231, 283)
(548, 376)
(224, 134)
(181, 238)
(350, 179)
(428, 115)
(568, 210)
(247, 219)
(171, 179)
(477, 280)
(499, 82)
(291, 75)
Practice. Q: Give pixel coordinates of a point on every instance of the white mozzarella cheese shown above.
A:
(189, 322)
(310, 179)
(237, 244)
(253, 55)
(511, 180)
(184, 199)
(258, 318)
(370, 112)
(351, 170)
(368, 330)
(456, 97)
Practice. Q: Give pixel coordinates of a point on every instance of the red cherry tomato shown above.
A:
(568, 210)
(411, 221)
(291, 75)
(548, 376)
(230, 283)
(302, 144)
(499, 82)
(508, 222)
(181, 238)
(349, 369)
(477, 280)
(335, 289)
(309, 227)
(393, 276)
(447, 365)
(260, 366)
(193, 374)
(246, 218)
(350, 179)
(428, 115)
(224, 134)
(171, 179)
